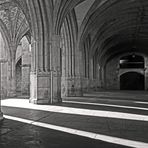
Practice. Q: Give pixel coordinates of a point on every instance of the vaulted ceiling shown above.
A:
(13, 21)
(113, 26)
(116, 26)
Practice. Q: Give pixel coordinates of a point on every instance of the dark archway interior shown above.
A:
(18, 75)
(132, 81)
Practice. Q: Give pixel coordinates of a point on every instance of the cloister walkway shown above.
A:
(104, 119)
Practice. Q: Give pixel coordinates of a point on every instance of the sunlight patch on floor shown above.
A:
(108, 105)
(105, 138)
(22, 103)
(138, 102)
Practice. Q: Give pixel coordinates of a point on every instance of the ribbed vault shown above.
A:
(116, 27)
(13, 22)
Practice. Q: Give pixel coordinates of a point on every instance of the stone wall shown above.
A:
(26, 66)
(4, 68)
(111, 75)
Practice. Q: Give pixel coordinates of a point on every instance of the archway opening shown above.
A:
(132, 81)
(18, 75)
(132, 68)
(23, 65)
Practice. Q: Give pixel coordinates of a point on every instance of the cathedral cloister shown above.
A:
(82, 58)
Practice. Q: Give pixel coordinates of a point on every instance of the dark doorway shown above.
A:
(132, 81)
(18, 75)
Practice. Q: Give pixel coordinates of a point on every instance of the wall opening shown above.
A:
(132, 67)
(18, 75)
(132, 81)
(132, 61)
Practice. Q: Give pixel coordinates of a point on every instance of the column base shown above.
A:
(12, 94)
(38, 101)
(86, 86)
(43, 101)
(40, 89)
(25, 92)
(71, 87)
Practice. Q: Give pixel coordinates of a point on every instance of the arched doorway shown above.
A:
(132, 81)
(132, 72)
(18, 75)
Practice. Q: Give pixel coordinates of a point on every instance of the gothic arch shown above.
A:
(69, 55)
(132, 81)
(19, 75)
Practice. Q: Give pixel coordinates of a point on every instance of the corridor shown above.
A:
(53, 53)
(104, 119)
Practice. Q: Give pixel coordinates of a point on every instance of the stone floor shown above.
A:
(105, 119)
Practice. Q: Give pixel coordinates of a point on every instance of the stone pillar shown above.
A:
(39, 80)
(33, 88)
(9, 78)
(4, 80)
(1, 85)
(33, 73)
(98, 76)
(1, 114)
(39, 88)
(71, 86)
(55, 68)
(85, 84)
(102, 78)
(42, 89)
(91, 74)
(71, 83)
(146, 73)
(13, 76)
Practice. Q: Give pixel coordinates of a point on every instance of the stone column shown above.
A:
(4, 79)
(146, 73)
(98, 76)
(71, 79)
(90, 74)
(39, 79)
(45, 85)
(85, 84)
(102, 78)
(55, 69)
(13, 75)
(71, 84)
(1, 114)
(33, 72)
(78, 73)
(1, 61)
